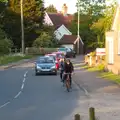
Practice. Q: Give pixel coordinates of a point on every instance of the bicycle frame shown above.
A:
(67, 81)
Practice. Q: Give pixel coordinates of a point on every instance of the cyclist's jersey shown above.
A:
(68, 68)
(62, 65)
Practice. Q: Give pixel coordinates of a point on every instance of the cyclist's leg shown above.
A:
(61, 75)
(64, 78)
(70, 79)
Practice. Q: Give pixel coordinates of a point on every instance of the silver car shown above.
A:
(45, 65)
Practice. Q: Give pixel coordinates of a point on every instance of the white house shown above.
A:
(61, 22)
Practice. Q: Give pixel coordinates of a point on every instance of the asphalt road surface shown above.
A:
(24, 96)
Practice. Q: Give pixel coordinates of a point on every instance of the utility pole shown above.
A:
(78, 43)
(22, 28)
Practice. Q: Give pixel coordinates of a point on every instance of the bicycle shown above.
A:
(67, 81)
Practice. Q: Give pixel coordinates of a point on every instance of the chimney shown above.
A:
(64, 9)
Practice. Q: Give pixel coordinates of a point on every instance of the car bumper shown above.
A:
(51, 71)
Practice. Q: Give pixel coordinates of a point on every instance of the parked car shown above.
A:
(45, 65)
(68, 52)
(55, 58)
(58, 55)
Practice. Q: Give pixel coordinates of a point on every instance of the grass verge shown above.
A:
(93, 69)
(110, 76)
(105, 75)
(10, 59)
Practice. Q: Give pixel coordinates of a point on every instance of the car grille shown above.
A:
(45, 67)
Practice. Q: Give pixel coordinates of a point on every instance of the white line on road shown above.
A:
(86, 92)
(24, 80)
(22, 86)
(25, 73)
(4, 105)
(17, 94)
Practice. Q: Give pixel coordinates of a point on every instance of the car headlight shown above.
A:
(38, 67)
(53, 67)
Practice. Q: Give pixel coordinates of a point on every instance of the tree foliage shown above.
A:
(95, 20)
(33, 19)
(5, 43)
(51, 9)
(46, 38)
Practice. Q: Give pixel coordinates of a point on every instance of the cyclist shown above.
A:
(68, 68)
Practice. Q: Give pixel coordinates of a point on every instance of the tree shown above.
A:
(103, 25)
(51, 9)
(5, 43)
(33, 19)
(44, 40)
(92, 22)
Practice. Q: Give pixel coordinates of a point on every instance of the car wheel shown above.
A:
(55, 73)
(36, 74)
(74, 56)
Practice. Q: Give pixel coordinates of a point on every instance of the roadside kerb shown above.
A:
(10, 65)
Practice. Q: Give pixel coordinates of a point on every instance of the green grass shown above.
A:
(84, 67)
(93, 69)
(106, 75)
(110, 76)
(9, 59)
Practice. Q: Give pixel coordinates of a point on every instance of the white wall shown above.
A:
(61, 31)
(68, 46)
(47, 20)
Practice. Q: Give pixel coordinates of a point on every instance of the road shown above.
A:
(24, 96)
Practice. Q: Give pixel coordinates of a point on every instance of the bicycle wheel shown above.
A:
(68, 85)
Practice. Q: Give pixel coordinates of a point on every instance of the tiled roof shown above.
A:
(58, 19)
(68, 39)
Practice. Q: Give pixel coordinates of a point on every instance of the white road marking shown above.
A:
(4, 105)
(22, 86)
(86, 92)
(24, 80)
(18, 94)
(25, 73)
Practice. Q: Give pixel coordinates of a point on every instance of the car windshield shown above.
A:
(45, 60)
(62, 49)
(52, 56)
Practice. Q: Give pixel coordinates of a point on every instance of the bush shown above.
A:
(45, 40)
(93, 54)
(5, 44)
(101, 67)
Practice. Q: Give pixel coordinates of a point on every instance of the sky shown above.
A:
(59, 3)
(70, 3)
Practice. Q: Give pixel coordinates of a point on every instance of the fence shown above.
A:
(94, 60)
(14, 50)
(91, 115)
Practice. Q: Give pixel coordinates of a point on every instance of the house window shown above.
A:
(59, 33)
(119, 42)
(110, 51)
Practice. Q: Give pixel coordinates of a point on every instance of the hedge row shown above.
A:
(39, 51)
